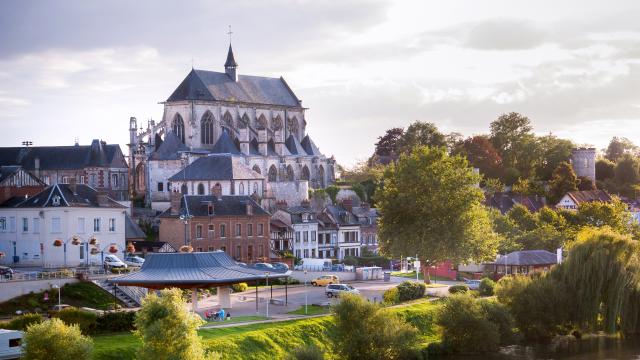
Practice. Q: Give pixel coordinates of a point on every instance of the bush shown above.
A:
(509, 287)
(410, 290)
(85, 320)
(22, 322)
(307, 352)
(351, 260)
(457, 289)
(53, 340)
(486, 287)
(116, 321)
(391, 296)
(240, 287)
(499, 315)
(465, 327)
(120, 270)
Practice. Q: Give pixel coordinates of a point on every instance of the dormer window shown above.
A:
(55, 201)
(210, 209)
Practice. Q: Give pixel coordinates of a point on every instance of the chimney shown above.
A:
(103, 199)
(216, 191)
(281, 205)
(72, 185)
(347, 204)
(175, 202)
(36, 165)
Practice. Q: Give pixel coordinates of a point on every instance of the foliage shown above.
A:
(306, 352)
(585, 183)
(410, 290)
(240, 287)
(492, 186)
(430, 204)
(486, 287)
(509, 288)
(553, 151)
(420, 134)
(391, 296)
(359, 190)
(387, 144)
(511, 135)
(116, 321)
(605, 169)
(499, 315)
(53, 340)
(527, 187)
(85, 320)
(626, 170)
(456, 289)
(22, 322)
(366, 331)
(332, 191)
(563, 180)
(167, 329)
(618, 147)
(482, 155)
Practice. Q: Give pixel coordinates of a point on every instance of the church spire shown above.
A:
(230, 65)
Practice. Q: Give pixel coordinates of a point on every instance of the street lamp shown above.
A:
(57, 286)
(185, 219)
(305, 292)
(267, 277)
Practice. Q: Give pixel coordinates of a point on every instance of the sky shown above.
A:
(80, 69)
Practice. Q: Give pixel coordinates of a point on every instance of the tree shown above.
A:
(430, 205)
(421, 134)
(564, 179)
(492, 186)
(167, 329)
(364, 330)
(53, 340)
(527, 187)
(387, 144)
(618, 147)
(511, 135)
(553, 152)
(605, 169)
(626, 171)
(482, 155)
(585, 183)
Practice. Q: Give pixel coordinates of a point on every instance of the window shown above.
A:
(178, 127)
(255, 188)
(211, 230)
(200, 189)
(96, 225)
(65, 179)
(223, 248)
(199, 249)
(55, 225)
(223, 230)
(3, 224)
(313, 235)
(81, 225)
(241, 189)
(249, 229)
(25, 224)
(81, 252)
(250, 252)
(12, 224)
(238, 253)
(297, 236)
(114, 180)
(112, 225)
(206, 128)
(36, 225)
(260, 229)
(82, 181)
(199, 231)
(238, 230)
(169, 186)
(46, 179)
(160, 186)
(305, 236)
(306, 253)
(261, 250)
(210, 209)
(211, 248)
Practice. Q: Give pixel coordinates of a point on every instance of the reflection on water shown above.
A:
(595, 348)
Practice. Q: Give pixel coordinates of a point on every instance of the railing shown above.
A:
(134, 292)
(60, 274)
(320, 268)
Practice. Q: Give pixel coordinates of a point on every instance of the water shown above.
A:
(596, 348)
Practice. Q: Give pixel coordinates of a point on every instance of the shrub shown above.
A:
(85, 320)
(457, 289)
(499, 315)
(351, 260)
(307, 352)
(391, 296)
(410, 290)
(486, 287)
(509, 287)
(120, 270)
(22, 322)
(116, 321)
(465, 327)
(53, 340)
(240, 287)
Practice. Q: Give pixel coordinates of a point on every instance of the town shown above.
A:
(232, 227)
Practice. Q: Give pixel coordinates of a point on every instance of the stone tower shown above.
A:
(583, 161)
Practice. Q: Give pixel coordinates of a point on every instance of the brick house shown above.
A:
(236, 225)
(14, 181)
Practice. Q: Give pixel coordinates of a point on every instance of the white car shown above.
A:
(134, 261)
(112, 261)
(472, 284)
(334, 290)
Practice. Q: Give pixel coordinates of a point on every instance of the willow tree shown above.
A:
(430, 205)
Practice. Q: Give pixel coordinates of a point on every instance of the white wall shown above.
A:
(11, 289)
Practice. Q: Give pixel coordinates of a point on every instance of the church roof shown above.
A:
(225, 145)
(216, 167)
(98, 154)
(309, 147)
(212, 85)
(169, 149)
(231, 61)
(294, 146)
(83, 196)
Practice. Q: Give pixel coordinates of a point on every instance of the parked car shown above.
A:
(240, 263)
(6, 272)
(112, 261)
(280, 266)
(10, 344)
(472, 284)
(334, 290)
(263, 266)
(325, 280)
(58, 307)
(134, 261)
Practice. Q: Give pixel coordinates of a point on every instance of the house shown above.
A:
(504, 201)
(63, 225)
(368, 219)
(327, 236)
(281, 237)
(15, 181)
(143, 247)
(236, 225)
(305, 227)
(523, 262)
(348, 227)
(573, 199)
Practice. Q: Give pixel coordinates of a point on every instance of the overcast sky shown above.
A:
(81, 68)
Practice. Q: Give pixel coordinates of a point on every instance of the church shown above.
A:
(257, 123)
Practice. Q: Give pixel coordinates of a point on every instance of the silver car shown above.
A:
(334, 290)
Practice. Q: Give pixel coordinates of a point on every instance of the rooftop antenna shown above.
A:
(27, 143)
(229, 33)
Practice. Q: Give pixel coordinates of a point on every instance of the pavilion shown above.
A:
(197, 270)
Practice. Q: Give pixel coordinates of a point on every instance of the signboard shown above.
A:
(416, 264)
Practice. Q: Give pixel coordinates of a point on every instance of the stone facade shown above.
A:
(583, 161)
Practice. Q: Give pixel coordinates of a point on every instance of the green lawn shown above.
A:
(239, 319)
(311, 310)
(412, 275)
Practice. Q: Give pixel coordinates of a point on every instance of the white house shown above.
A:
(305, 229)
(64, 225)
(573, 199)
(349, 240)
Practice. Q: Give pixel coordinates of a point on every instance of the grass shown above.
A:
(266, 340)
(311, 310)
(81, 294)
(412, 275)
(239, 319)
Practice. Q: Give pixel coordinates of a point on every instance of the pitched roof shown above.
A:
(579, 197)
(132, 230)
(527, 257)
(231, 60)
(505, 201)
(212, 85)
(62, 195)
(169, 148)
(198, 205)
(225, 145)
(294, 146)
(341, 216)
(309, 147)
(195, 269)
(98, 154)
(216, 167)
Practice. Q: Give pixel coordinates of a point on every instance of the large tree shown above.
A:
(618, 147)
(482, 155)
(512, 136)
(553, 151)
(430, 205)
(563, 180)
(605, 169)
(421, 134)
(387, 144)
(626, 170)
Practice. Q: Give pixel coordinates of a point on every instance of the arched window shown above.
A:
(273, 174)
(200, 189)
(241, 188)
(305, 173)
(276, 124)
(183, 189)
(227, 122)
(321, 177)
(256, 168)
(178, 127)
(243, 122)
(293, 126)
(206, 128)
(290, 176)
(261, 123)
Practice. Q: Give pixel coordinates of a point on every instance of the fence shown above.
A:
(61, 274)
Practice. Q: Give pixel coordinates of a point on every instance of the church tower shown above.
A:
(231, 65)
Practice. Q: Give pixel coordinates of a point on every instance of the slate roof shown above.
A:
(212, 85)
(294, 146)
(169, 148)
(225, 145)
(309, 147)
(505, 201)
(231, 60)
(579, 197)
(216, 167)
(84, 196)
(527, 258)
(98, 154)
(193, 269)
(341, 216)
(7, 172)
(296, 214)
(198, 205)
(132, 230)
(278, 224)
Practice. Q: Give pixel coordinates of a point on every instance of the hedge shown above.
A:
(456, 289)
(410, 290)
